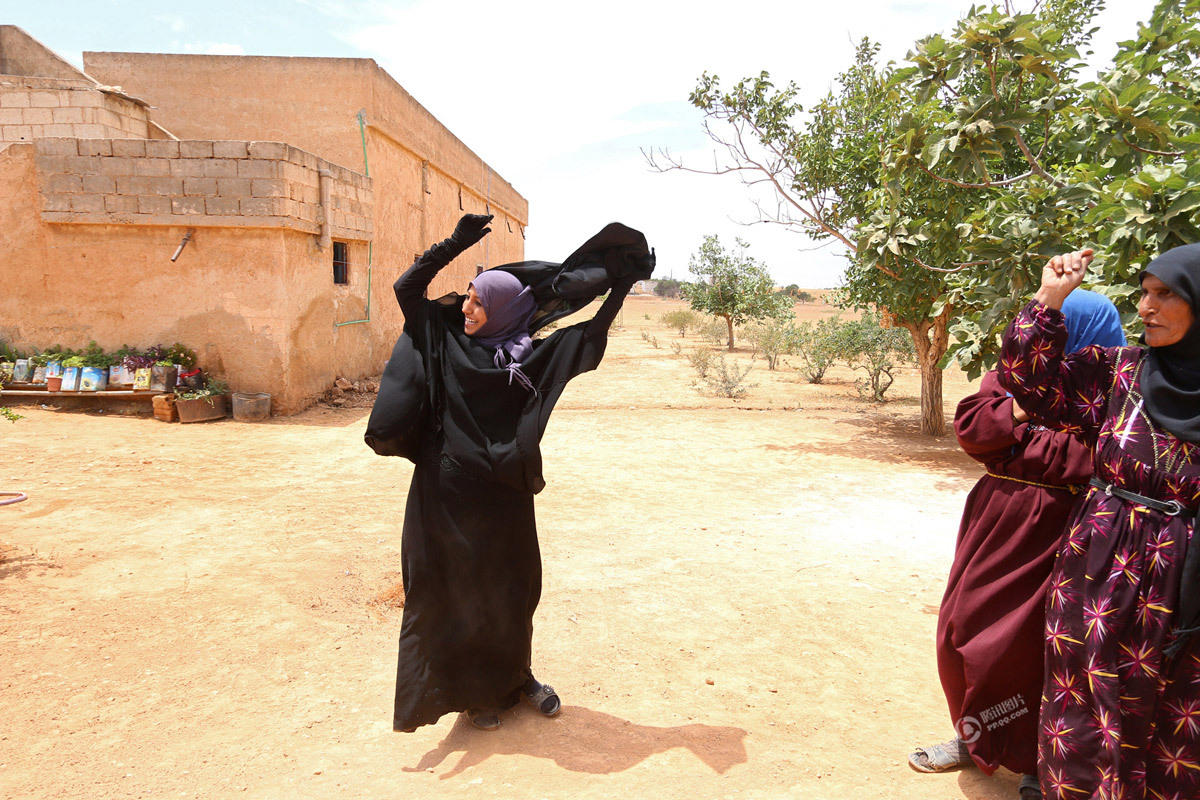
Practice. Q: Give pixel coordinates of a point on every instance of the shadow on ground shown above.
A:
(895, 441)
(583, 740)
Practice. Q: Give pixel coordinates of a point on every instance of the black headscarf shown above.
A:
(1171, 375)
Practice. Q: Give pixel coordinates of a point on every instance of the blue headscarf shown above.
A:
(1091, 319)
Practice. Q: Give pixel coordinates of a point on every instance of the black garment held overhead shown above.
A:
(471, 563)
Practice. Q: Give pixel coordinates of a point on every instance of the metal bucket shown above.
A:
(251, 406)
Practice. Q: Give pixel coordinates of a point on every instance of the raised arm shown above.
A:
(1067, 393)
(410, 287)
(603, 320)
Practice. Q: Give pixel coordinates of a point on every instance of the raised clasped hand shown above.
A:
(1062, 275)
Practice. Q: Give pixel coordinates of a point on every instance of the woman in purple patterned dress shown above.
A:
(1120, 714)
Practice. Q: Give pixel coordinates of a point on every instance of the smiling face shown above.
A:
(473, 314)
(1166, 315)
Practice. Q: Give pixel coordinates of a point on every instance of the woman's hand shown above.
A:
(1019, 414)
(470, 229)
(1061, 276)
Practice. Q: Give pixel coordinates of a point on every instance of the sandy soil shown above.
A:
(740, 600)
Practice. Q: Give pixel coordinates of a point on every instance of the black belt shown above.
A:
(1187, 619)
(1172, 507)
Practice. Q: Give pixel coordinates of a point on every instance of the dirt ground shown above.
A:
(739, 601)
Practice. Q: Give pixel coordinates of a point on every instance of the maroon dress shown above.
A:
(991, 626)
(1120, 715)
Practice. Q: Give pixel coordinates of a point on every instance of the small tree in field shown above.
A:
(874, 349)
(680, 319)
(733, 285)
(819, 346)
(773, 339)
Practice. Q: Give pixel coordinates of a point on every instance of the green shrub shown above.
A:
(772, 339)
(701, 360)
(668, 287)
(875, 350)
(728, 380)
(713, 330)
(680, 319)
(819, 346)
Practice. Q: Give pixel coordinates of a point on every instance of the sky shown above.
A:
(561, 99)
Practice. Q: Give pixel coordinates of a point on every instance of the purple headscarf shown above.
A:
(509, 306)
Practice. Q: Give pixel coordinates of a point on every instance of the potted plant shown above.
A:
(184, 359)
(22, 371)
(8, 359)
(208, 402)
(39, 361)
(71, 369)
(137, 364)
(93, 377)
(54, 368)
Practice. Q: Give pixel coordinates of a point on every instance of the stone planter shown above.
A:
(202, 409)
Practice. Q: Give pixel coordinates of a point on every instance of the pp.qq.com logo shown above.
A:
(968, 729)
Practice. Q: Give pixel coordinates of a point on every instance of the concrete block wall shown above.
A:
(33, 108)
(198, 183)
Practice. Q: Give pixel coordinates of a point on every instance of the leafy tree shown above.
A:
(668, 287)
(1053, 163)
(680, 319)
(732, 285)
(819, 345)
(826, 172)
(773, 339)
(875, 349)
(863, 167)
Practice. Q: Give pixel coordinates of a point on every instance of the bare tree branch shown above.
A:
(1166, 153)
(964, 185)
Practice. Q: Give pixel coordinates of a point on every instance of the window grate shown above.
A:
(340, 264)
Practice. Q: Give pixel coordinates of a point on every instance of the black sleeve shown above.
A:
(599, 324)
(410, 287)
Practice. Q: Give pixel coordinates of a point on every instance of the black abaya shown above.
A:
(471, 563)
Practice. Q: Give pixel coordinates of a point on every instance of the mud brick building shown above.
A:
(298, 187)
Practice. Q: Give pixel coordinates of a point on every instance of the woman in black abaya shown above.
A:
(471, 565)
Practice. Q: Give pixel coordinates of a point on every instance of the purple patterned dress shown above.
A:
(1119, 719)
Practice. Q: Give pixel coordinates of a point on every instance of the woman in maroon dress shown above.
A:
(991, 625)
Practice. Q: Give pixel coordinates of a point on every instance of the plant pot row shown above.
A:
(57, 378)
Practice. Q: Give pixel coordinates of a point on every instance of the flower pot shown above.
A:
(202, 408)
(39, 373)
(93, 379)
(251, 406)
(119, 376)
(141, 379)
(54, 369)
(162, 379)
(54, 383)
(6, 371)
(70, 379)
(22, 371)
